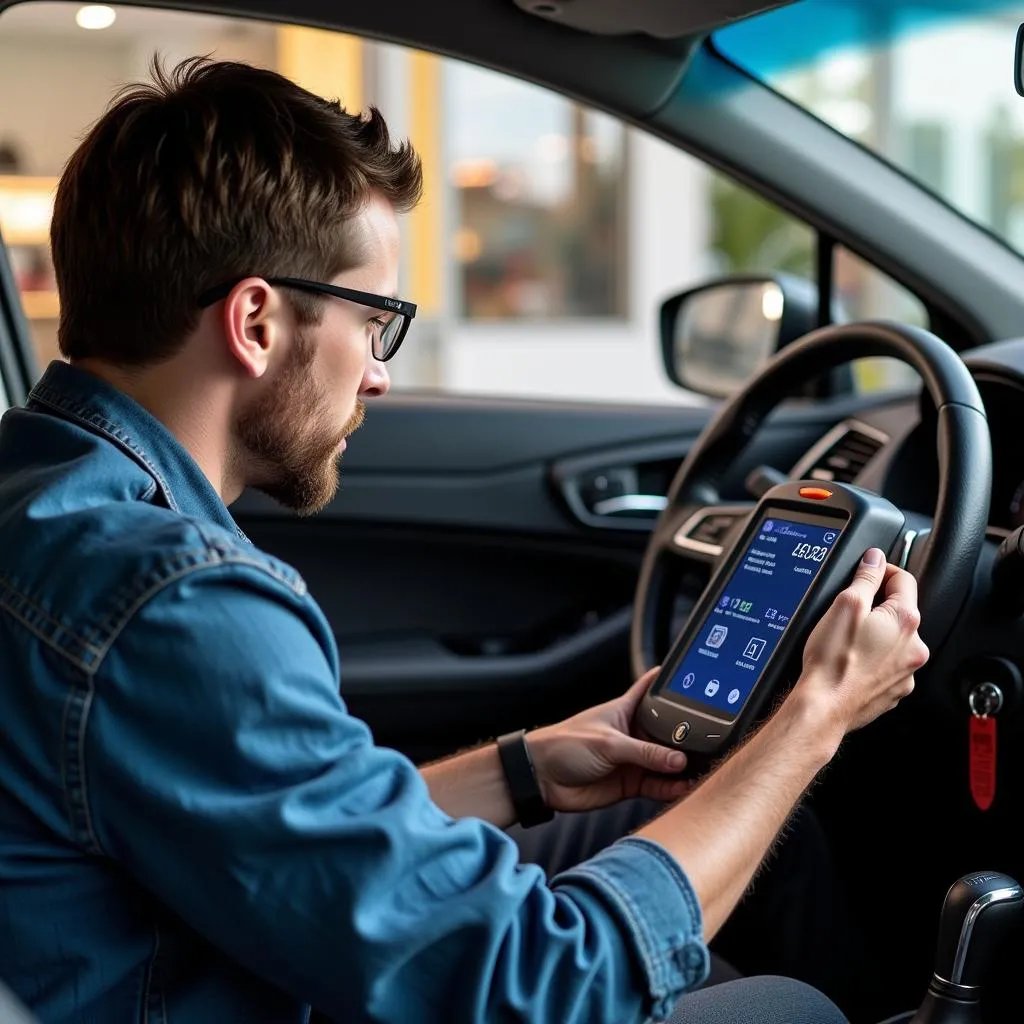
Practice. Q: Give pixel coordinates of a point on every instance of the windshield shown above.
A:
(929, 86)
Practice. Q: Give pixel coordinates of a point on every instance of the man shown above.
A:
(192, 828)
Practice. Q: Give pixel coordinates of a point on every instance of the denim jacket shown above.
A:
(193, 829)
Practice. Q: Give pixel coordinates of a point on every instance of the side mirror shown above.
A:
(713, 338)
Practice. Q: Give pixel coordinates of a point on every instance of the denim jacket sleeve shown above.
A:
(224, 772)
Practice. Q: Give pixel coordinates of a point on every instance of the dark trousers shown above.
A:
(791, 923)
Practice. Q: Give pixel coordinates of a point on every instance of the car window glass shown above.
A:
(863, 292)
(928, 86)
(750, 235)
(547, 238)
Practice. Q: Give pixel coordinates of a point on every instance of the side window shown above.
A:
(863, 292)
(548, 235)
(26, 204)
(750, 234)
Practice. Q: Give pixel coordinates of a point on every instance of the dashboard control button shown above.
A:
(680, 732)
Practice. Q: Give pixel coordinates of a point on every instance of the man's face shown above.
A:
(294, 433)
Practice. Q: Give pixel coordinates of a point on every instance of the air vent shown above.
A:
(842, 453)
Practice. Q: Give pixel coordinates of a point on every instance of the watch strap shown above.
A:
(523, 787)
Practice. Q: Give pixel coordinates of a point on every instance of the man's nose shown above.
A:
(376, 381)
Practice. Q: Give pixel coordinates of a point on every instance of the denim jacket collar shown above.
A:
(109, 413)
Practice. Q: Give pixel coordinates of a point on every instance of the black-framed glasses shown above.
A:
(390, 331)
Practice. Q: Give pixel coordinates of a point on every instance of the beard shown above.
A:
(288, 435)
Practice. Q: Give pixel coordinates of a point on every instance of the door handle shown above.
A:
(630, 505)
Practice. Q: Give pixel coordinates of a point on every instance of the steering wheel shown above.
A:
(696, 526)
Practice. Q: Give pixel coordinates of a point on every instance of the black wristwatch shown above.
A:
(523, 787)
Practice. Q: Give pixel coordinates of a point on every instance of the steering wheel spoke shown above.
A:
(908, 553)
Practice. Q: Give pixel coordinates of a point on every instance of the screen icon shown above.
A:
(711, 689)
(734, 695)
(755, 648)
(768, 526)
(724, 603)
(717, 636)
(829, 537)
(688, 680)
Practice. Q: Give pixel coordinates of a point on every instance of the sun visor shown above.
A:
(663, 19)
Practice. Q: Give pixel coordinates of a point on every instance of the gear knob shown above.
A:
(978, 913)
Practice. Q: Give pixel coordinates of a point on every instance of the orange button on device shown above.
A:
(815, 493)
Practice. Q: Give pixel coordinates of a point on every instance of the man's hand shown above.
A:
(860, 660)
(592, 759)
(858, 663)
(587, 761)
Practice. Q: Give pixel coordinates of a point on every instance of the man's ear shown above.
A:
(254, 324)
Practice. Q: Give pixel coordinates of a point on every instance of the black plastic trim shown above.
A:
(403, 667)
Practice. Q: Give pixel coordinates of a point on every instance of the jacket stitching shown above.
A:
(83, 724)
(78, 704)
(653, 960)
(115, 623)
(7, 584)
(74, 722)
(47, 639)
(673, 868)
(213, 553)
(94, 418)
(165, 582)
(64, 783)
(62, 406)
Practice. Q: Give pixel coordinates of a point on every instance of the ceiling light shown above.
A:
(95, 16)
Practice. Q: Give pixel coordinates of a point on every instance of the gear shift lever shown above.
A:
(978, 912)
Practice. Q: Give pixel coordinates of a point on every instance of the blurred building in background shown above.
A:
(549, 233)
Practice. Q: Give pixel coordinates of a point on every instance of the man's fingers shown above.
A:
(869, 575)
(635, 693)
(859, 596)
(900, 589)
(650, 756)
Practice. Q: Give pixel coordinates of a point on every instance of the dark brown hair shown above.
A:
(213, 172)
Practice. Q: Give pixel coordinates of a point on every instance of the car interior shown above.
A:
(491, 563)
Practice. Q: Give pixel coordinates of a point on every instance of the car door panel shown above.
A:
(466, 595)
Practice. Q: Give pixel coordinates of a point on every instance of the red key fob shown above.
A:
(983, 760)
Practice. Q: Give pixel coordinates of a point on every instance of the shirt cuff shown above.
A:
(652, 897)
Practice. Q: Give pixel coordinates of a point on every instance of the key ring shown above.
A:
(985, 699)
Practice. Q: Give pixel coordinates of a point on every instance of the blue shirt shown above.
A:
(193, 829)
